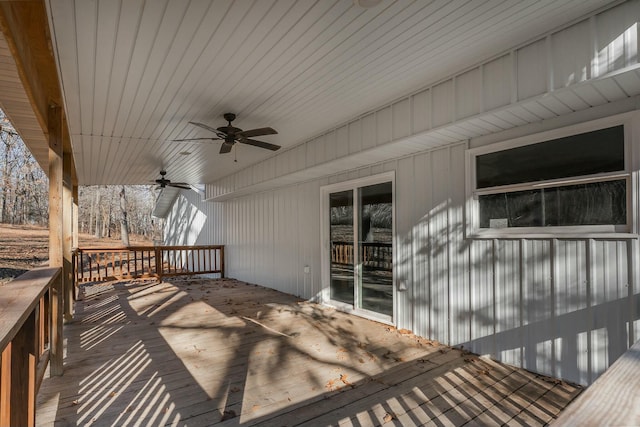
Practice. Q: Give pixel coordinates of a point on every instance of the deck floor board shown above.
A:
(203, 352)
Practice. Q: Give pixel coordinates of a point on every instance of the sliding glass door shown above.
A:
(360, 219)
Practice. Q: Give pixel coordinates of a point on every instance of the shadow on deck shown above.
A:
(222, 352)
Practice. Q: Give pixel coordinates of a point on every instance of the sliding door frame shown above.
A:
(325, 239)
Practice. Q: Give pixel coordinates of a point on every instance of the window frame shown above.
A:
(473, 229)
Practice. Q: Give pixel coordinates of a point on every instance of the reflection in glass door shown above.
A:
(361, 274)
(375, 254)
(341, 234)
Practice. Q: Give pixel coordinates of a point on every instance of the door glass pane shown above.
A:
(375, 236)
(341, 229)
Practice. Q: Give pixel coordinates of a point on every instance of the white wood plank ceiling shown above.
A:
(135, 72)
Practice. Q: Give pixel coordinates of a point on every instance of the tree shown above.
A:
(124, 228)
(24, 195)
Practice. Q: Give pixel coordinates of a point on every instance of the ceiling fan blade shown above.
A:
(211, 138)
(182, 185)
(260, 144)
(256, 132)
(203, 126)
(226, 147)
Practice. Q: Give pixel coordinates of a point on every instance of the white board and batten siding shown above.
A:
(566, 307)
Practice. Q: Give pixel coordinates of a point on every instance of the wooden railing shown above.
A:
(613, 399)
(101, 264)
(29, 317)
(375, 255)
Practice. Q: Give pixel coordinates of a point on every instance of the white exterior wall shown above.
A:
(567, 307)
(562, 307)
(190, 221)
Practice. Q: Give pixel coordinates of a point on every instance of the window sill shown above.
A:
(521, 234)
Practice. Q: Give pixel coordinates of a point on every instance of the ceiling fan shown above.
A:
(230, 135)
(164, 182)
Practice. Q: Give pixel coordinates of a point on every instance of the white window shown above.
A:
(572, 181)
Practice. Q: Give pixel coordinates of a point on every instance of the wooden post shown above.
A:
(159, 266)
(23, 374)
(5, 386)
(56, 256)
(222, 262)
(74, 223)
(67, 235)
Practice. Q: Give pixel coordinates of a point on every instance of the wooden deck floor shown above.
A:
(202, 352)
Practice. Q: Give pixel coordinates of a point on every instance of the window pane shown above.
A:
(516, 209)
(596, 203)
(584, 154)
(341, 234)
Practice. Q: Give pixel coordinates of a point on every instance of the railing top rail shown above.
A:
(377, 244)
(188, 247)
(145, 248)
(115, 248)
(19, 297)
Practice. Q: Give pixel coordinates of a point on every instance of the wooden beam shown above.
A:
(56, 255)
(26, 28)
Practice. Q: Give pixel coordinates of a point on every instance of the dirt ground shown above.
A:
(26, 247)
